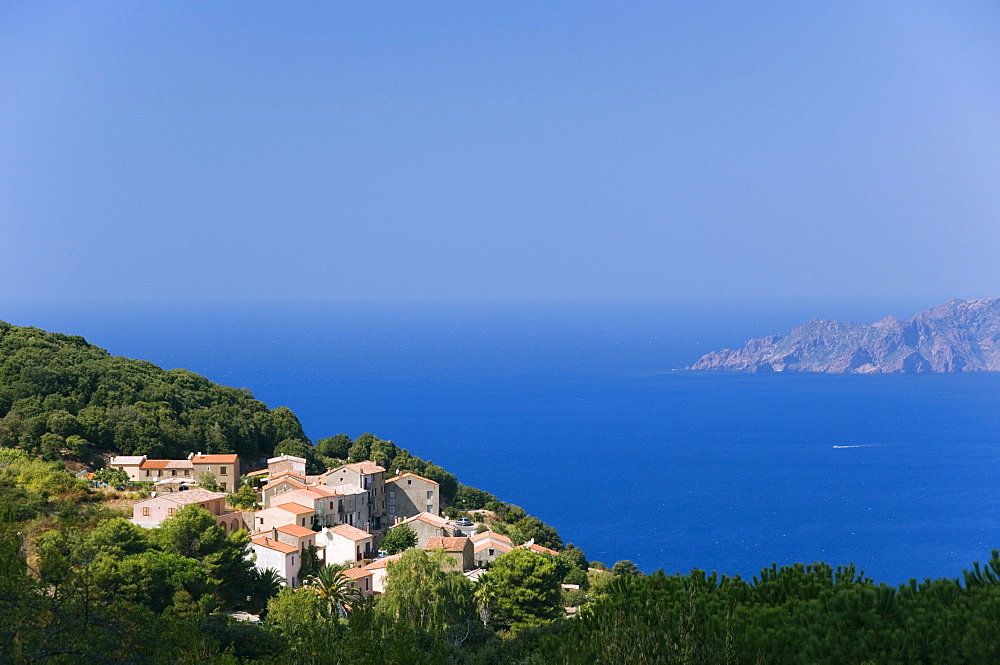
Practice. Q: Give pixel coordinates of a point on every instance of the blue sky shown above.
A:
(365, 151)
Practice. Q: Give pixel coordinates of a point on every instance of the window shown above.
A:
(491, 552)
(430, 508)
(409, 481)
(392, 494)
(430, 494)
(261, 520)
(392, 509)
(147, 473)
(187, 472)
(173, 472)
(171, 511)
(222, 470)
(145, 511)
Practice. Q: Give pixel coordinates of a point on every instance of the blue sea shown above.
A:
(580, 413)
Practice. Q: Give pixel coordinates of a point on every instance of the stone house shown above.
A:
(361, 580)
(153, 470)
(409, 494)
(352, 505)
(225, 468)
(368, 476)
(378, 570)
(129, 464)
(286, 464)
(459, 550)
(282, 557)
(428, 526)
(151, 513)
(285, 513)
(487, 546)
(346, 543)
(279, 485)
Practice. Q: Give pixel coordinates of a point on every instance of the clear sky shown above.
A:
(243, 151)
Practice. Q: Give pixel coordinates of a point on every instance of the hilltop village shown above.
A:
(340, 516)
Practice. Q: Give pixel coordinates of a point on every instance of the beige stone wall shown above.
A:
(411, 496)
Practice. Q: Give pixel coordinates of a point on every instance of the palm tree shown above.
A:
(337, 591)
(264, 585)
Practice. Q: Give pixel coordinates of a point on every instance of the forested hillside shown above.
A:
(63, 397)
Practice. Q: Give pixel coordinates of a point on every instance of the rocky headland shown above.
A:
(958, 336)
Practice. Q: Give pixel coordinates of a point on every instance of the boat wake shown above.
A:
(860, 445)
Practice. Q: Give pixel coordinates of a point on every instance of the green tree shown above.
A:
(528, 589)
(625, 567)
(336, 446)
(361, 447)
(336, 591)
(421, 595)
(299, 448)
(399, 538)
(206, 479)
(245, 498)
(112, 476)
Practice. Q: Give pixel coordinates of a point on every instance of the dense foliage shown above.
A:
(63, 397)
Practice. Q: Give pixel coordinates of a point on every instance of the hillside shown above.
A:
(958, 336)
(63, 397)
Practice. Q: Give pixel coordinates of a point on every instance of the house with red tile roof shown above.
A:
(129, 464)
(361, 580)
(487, 546)
(409, 494)
(534, 547)
(378, 570)
(282, 514)
(368, 476)
(428, 526)
(284, 482)
(344, 542)
(153, 470)
(459, 550)
(282, 557)
(151, 513)
(225, 468)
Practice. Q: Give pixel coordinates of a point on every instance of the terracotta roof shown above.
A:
(497, 546)
(381, 563)
(282, 474)
(365, 467)
(197, 495)
(262, 472)
(494, 536)
(273, 544)
(275, 483)
(296, 508)
(320, 491)
(428, 518)
(411, 475)
(356, 573)
(296, 530)
(127, 460)
(447, 544)
(166, 464)
(215, 459)
(349, 532)
(534, 547)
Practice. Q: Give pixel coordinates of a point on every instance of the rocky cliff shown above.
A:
(958, 336)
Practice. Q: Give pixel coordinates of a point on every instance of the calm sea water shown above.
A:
(578, 414)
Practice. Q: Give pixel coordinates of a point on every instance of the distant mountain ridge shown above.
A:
(958, 336)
